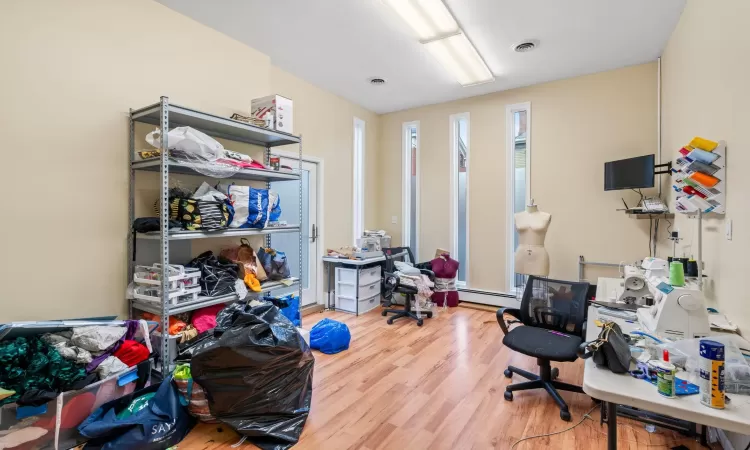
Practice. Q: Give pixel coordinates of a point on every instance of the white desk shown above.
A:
(330, 262)
(602, 384)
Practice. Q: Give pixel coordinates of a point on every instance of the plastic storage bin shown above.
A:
(176, 296)
(14, 418)
(151, 275)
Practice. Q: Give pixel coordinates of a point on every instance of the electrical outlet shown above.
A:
(729, 229)
(394, 219)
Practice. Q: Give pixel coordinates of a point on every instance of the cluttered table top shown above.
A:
(624, 389)
(360, 262)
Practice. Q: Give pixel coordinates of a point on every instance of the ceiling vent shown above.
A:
(526, 46)
(377, 81)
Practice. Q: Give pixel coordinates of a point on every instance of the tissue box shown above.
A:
(279, 109)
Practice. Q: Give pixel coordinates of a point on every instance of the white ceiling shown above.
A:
(339, 44)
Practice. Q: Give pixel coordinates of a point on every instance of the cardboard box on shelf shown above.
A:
(280, 111)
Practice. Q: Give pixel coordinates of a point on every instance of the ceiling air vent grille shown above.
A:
(525, 46)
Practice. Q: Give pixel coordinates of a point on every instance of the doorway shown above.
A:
(289, 243)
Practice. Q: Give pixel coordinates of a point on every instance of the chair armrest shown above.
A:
(430, 274)
(515, 312)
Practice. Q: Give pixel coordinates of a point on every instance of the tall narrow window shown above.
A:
(358, 190)
(459, 145)
(411, 187)
(519, 180)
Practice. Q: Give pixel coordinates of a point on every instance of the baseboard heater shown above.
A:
(490, 293)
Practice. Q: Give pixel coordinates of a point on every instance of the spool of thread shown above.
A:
(711, 374)
(684, 262)
(692, 268)
(676, 274)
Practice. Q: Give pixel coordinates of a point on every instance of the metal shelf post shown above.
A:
(164, 228)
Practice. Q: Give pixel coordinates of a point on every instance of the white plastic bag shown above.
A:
(189, 140)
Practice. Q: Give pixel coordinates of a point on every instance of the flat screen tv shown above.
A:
(631, 173)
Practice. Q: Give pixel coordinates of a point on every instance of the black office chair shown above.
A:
(391, 285)
(554, 325)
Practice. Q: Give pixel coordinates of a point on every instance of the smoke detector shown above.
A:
(526, 46)
(377, 81)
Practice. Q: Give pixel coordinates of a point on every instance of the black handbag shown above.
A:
(611, 349)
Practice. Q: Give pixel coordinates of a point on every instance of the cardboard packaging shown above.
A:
(276, 111)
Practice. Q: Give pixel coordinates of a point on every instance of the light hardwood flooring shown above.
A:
(439, 386)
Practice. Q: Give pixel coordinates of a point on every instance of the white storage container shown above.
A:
(176, 296)
(151, 275)
(357, 295)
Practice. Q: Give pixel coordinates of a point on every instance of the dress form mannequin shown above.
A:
(531, 258)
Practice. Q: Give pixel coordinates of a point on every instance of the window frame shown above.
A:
(452, 124)
(510, 111)
(406, 186)
(358, 179)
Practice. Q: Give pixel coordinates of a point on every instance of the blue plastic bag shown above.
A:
(330, 336)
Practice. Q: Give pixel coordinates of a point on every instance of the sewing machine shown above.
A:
(677, 312)
(636, 291)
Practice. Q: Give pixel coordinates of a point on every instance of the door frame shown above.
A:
(319, 295)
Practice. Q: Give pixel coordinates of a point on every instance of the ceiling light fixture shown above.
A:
(438, 30)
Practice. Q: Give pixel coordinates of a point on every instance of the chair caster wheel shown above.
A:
(508, 396)
(565, 415)
(508, 373)
(384, 313)
(429, 315)
(390, 321)
(420, 322)
(555, 373)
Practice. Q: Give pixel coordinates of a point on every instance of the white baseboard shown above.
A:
(486, 297)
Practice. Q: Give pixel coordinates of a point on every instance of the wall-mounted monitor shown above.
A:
(631, 173)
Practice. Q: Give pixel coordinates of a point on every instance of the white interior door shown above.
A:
(289, 242)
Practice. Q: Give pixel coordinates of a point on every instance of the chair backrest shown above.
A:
(554, 305)
(390, 251)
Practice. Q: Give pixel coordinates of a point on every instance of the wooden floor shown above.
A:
(439, 386)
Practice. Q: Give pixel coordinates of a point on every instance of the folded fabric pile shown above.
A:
(34, 370)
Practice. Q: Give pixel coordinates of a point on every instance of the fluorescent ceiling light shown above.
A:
(461, 59)
(430, 19)
(438, 30)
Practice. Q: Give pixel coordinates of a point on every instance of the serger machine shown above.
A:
(677, 312)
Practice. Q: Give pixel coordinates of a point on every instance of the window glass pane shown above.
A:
(413, 192)
(519, 165)
(463, 151)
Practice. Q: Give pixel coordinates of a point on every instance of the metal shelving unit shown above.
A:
(167, 116)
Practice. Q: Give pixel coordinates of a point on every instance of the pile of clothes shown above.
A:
(408, 275)
(35, 369)
(188, 325)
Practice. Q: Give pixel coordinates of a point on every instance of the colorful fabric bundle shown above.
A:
(28, 363)
(131, 353)
(204, 319)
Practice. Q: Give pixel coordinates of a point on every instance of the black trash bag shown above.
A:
(218, 275)
(257, 375)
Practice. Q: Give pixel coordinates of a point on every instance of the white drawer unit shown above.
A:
(357, 294)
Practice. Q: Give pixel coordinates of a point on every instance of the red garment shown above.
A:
(451, 298)
(444, 267)
(131, 353)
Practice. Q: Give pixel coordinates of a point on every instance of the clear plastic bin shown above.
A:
(176, 296)
(151, 275)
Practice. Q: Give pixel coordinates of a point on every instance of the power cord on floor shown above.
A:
(585, 416)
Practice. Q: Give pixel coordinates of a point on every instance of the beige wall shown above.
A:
(577, 125)
(706, 93)
(71, 70)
